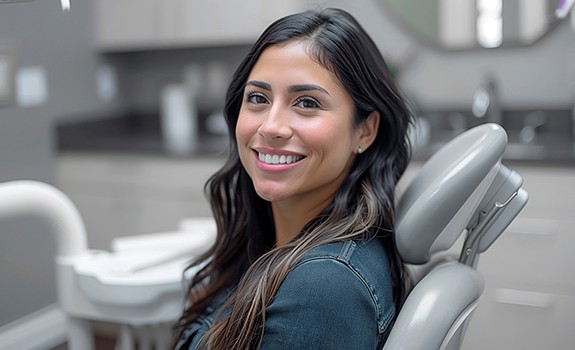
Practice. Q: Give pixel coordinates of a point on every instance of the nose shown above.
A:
(276, 124)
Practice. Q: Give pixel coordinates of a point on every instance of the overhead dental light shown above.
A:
(490, 23)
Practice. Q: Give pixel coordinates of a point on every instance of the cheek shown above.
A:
(333, 139)
(244, 129)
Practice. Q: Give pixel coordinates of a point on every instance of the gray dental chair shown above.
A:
(459, 203)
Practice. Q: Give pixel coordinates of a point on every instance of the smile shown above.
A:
(278, 159)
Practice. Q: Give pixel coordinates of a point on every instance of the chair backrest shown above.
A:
(462, 190)
(438, 204)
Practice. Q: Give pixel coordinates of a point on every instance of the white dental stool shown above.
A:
(138, 285)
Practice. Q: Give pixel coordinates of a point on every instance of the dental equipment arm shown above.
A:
(503, 201)
(45, 201)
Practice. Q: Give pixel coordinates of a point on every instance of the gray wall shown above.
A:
(40, 35)
(538, 76)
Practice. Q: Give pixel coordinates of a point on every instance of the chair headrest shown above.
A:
(437, 205)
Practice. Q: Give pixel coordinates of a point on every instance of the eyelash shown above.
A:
(303, 99)
(254, 94)
(307, 99)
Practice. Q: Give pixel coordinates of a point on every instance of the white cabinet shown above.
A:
(529, 300)
(152, 24)
(126, 195)
(132, 23)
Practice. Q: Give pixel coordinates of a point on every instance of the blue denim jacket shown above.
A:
(338, 296)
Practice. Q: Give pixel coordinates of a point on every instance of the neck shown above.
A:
(290, 218)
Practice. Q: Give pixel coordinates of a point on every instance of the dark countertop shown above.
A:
(538, 137)
(142, 134)
(134, 133)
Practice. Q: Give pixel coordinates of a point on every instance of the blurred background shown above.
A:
(119, 104)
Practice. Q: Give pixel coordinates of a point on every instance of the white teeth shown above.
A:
(277, 159)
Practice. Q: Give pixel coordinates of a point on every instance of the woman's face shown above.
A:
(295, 134)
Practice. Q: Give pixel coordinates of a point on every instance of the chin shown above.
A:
(270, 196)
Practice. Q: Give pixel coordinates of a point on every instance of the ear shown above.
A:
(367, 130)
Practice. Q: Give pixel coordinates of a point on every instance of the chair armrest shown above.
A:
(436, 308)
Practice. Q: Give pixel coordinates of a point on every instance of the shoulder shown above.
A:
(365, 256)
(345, 276)
(366, 259)
(338, 296)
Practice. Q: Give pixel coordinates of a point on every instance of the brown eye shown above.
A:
(256, 98)
(307, 103)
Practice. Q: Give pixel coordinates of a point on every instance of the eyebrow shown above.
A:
(259, 84)
(307, 87)
(291, 89)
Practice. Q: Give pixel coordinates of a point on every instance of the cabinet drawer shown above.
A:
(533, 254)
(513, 319)
(124, 195)
(157, 24)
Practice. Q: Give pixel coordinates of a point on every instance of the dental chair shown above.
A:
(459, 203)
(462, 199)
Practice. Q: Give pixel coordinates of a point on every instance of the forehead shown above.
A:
(292, 61)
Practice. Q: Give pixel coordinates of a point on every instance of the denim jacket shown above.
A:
(338, 296)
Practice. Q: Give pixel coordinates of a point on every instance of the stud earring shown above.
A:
(359, 149)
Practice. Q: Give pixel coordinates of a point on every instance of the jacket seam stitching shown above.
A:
(383, 319)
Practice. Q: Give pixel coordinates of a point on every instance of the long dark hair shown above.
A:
(243, 258)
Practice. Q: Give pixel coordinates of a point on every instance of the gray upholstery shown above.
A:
(462, 191)
(440, 201)
(504, 186)
(436, 308)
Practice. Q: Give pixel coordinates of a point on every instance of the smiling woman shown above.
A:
(305, 255)
(304, 113)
